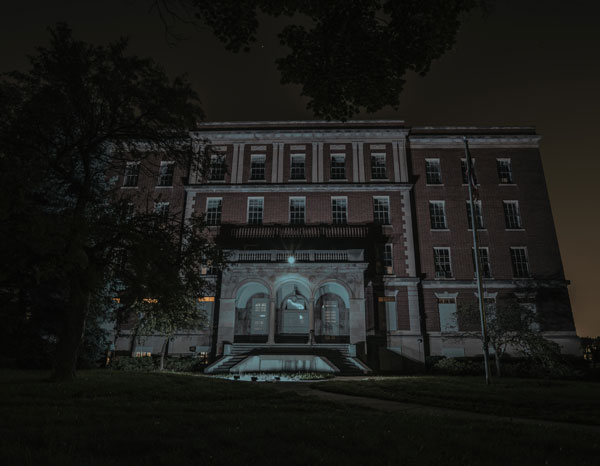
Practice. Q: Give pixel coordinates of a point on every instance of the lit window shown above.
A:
(478, 216)
(213, 210)
(297, 210)
(388, 259)
(437, 215)
(162, 210)
(378, 169)
(504, 171)
(433, 171)
(297, 167)
(257, 167)
(511, 215)
(381, 210)
(255, 210)
(165, 173)
(463, 169)
(132, 173)
(338, 167)
(217, 167)
(520, 263)
(441, 258)
(484, 262)
(339, 210)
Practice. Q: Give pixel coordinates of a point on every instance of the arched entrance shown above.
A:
(252, 305)
(292, 318)
(332, 309)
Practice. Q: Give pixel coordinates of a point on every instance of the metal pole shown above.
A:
(477, 271)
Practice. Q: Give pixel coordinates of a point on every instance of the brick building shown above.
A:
(350, 244)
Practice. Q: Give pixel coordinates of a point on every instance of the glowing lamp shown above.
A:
(291, 260)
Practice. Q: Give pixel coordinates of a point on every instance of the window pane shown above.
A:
(433, 171)
(463, 169)
(437, 215)
(378, 169)
(504, 171)
(165, 174)
(298, 167)
(297, 210)
(338, 167)
(339, 213)
(478, 216)
(255, 210)
(520, 263)
(443, 268)
(257, 167)
(511, 215)
(381, 210)
(213, 211)
(132, 172)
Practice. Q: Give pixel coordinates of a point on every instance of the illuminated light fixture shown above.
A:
(150, 300)
(206, 299)
(291, 260)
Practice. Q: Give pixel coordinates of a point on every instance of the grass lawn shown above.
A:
(120, 418)
(570, 401)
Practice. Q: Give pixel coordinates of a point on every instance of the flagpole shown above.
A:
(470, 183)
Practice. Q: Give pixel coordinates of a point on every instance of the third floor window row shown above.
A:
(433, 171)
(438, 218)
(131, 175)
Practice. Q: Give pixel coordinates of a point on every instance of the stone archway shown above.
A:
(292, 313)
(332, 314)
(252, 308)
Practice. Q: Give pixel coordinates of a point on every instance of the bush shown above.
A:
(459, 366)
(126, 363)
(184, 364)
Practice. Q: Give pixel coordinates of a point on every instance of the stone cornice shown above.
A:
(475, 142)
(299, 188)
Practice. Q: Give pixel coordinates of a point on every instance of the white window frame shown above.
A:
(340, 172)
(343, 221)
(255, 167)
(131, 174)
(162, 209)
(439, 172)
(214, 218)
(166, 172)
(446, 273)
(514, 264)
(479, 220)
(298, 221)
(515, 214)
(463, 172)
(433, 205)
(257, 220)
(481, 262)
(384, 213)
(293, 175)
(217, 169)
(510, 178)
(378, 171)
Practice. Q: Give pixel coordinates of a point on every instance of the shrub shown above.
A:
(126, 363)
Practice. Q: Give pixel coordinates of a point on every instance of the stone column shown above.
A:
(311, 322)
(226, 329)
(357, 322)
(271, 339)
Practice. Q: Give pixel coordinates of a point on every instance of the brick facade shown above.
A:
(401, 303)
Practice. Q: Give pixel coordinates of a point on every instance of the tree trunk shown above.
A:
(71, 334)
(163, 353)
(497, 359)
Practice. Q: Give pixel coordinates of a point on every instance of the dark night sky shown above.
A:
(531, 62)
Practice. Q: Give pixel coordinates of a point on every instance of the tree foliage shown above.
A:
(347, 55)
(69, 124)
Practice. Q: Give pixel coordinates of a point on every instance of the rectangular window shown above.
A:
(388, 259)
(338, 166)
(511, 215)
(463, 169)
(433, 171)
(484, 262)
(520, 263)
(378, 168)
(478, 216)
(165, 173)
(447, 311)
(217, 167)
(132, 174)
(437, 215)
(504, 171)
(298, 165)
(441, 259)
(255, 210)
(381, 210)
(297, 210)
(213, 210)
(162, 210)
(257, 166)
(339, 210)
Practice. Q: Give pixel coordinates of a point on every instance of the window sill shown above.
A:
(216, 181)
(162, 187)
(338, 180)
(297, 180)
(257, 180)
(439, 229)
(129, 187)
(507, 184)
(515, 229)
(379, 180)
(478, 229)
(430, 185)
